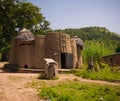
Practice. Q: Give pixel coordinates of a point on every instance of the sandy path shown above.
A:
(14, 87)
(73, 77)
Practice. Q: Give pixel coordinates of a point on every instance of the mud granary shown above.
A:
(29, 51)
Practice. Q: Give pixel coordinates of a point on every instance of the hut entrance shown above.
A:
(66, 60)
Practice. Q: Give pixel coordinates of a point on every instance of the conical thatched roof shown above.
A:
(79, 41)
(25, 35)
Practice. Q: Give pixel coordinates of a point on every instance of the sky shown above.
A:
(64, 14)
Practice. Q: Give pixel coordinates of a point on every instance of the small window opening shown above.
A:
(25, 66)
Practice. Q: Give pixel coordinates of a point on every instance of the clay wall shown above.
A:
(65, 43)
(13, 51)
(79, 57)
(53, 47)
(112, 60)
(24, 57)
(39, 51)
(74, 51)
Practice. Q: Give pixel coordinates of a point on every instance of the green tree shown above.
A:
(29, 16)
(16, 15)
(93, 52)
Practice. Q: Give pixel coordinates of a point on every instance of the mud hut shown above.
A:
(29, 51)
(112, 60)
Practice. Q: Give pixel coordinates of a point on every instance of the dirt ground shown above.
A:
(14, 86)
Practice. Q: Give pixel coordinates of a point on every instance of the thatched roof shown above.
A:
(25, 35)
(79, 41)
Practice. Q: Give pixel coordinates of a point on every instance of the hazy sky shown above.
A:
(81, 13)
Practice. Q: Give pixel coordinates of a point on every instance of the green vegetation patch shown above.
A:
(104, 74)
(77, 91)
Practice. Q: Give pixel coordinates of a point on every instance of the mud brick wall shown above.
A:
(74, 51)
(53, 47)
(39, 51)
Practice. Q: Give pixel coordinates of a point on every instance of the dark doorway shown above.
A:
(66, 60)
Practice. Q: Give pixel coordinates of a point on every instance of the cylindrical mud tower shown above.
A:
(53, 47)
(39, 51)
(74, 51)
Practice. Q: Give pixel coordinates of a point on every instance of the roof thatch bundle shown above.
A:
(25, 35)
(79, 41)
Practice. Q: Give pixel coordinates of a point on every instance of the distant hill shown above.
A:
(94, 33)
(90, 33)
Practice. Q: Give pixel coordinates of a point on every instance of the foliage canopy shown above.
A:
(16, 15)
